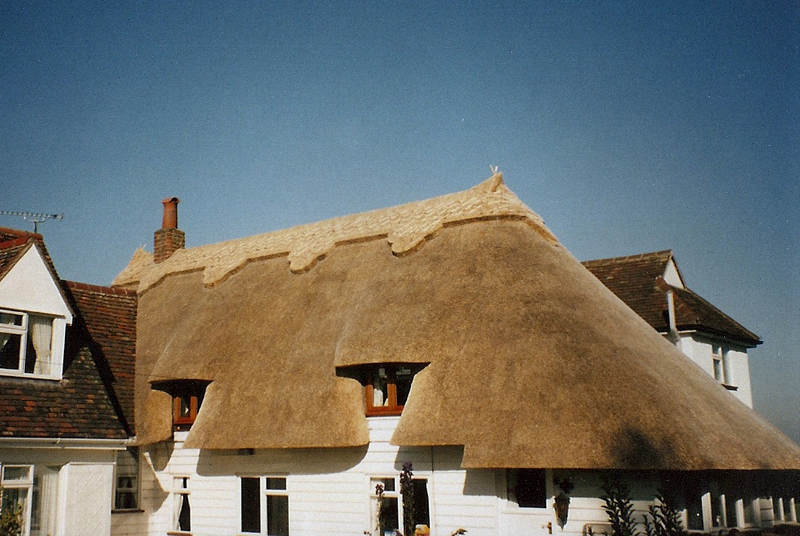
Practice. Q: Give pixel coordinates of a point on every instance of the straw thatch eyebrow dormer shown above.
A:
(532, 361)
(187, 397)
(387, 386)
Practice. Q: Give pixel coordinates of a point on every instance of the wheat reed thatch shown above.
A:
(531, 361)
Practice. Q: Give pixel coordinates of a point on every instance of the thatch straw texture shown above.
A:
(533, 362)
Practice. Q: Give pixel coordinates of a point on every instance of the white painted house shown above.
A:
(62, 426)
(652, 285)
(284, 381)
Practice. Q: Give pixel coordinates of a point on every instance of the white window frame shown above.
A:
(778, 514)
(264, 493)
(56, 344)
(719, 354)
(374, 480)
(180, 489)
(709, 523)
(25, 484)
(136, 488)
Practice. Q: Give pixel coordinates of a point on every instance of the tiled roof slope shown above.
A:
(14, 242)
(76, 407)
(94, 396)
(10, 253)
(692, 312)
(109, 315)
(634, 280)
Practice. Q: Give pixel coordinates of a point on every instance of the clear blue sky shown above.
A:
(628, 126)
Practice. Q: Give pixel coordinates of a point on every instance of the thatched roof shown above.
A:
(533, 362)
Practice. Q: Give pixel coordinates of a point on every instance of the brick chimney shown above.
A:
(169, 238)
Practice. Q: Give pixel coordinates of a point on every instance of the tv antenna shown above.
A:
(35, 217)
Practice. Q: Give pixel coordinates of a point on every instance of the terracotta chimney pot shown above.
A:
(169, 238)
(170, 219)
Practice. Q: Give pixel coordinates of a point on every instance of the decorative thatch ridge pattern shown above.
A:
(405, 227)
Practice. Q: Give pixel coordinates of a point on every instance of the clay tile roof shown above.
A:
(94, 399)
(82, 405)
(13, 243)
(109, 316)
(693, 312)
(633, 280)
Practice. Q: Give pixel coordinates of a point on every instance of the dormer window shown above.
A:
(187, 397)
(185, 408)
(387, 389)
(386, 385)
(26, 344)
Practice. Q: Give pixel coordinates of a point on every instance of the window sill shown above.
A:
(730, 387)
(128, 511)
(383, 411)
(178, 533)
(10, 373)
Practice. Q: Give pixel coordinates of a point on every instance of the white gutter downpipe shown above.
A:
(673, 336)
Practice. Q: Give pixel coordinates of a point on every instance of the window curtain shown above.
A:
(41, 329)
(43, 514)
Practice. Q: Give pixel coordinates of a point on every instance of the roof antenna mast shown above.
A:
(35, 217)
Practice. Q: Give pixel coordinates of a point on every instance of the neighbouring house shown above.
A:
(652, 285)
(66, 395)
(284, 381)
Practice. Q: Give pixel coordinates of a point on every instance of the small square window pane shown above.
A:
(276, 483)
(16, 473)
(11, 319)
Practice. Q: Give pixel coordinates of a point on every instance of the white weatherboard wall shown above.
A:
(330, 491)
(699, 350)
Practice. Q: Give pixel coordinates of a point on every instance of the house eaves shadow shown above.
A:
(302, 461)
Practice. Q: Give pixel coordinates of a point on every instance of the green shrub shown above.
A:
(11, 521)
(618, 506)
(665, 519)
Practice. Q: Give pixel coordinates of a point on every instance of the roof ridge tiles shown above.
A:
(118, 291)
(16, 242)
(634, 257)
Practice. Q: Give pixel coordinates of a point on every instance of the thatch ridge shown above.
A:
(405, 227)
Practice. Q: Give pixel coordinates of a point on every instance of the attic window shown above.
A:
(26, 342)
(185, 408)
(187, 397)
(386, 385)
(387, 389)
